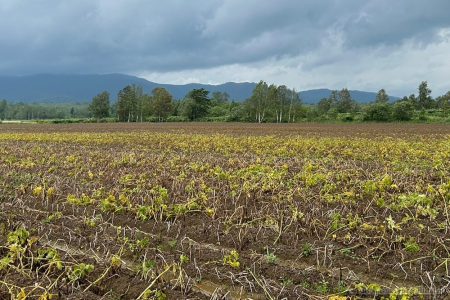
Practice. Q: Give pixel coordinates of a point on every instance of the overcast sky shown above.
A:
(365, 45)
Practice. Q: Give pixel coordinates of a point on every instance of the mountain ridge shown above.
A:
(57, 88)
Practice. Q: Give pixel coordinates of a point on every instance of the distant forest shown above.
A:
(268, 103)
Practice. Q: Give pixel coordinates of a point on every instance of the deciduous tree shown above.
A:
(424, 100)
(127, 104)
(3, 106)
(382, 97)
(99, 106)
(162, 103)
(196, 104)
(345, 103)
(258, 102)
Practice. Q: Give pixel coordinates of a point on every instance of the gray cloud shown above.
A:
(175, 38)
(391, 22)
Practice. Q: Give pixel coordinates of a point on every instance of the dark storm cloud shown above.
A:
(138, 36)
(391, 22)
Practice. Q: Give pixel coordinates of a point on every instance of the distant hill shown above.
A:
(81, 88)
(70, 88)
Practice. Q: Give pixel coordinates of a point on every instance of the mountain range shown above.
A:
(57, 88)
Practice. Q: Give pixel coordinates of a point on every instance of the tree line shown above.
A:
(268, 103)
(42, 111)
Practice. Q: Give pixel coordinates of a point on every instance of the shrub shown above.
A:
(152, 119)
(380, 112)
(177, 119)
(402, 111)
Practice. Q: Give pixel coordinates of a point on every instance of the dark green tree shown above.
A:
(99, 106)
(3, 107)
(196, 104)
(273, 103)
(345, 104)
(162, 103)
(443, 103)
(382, 97)
(424, 100)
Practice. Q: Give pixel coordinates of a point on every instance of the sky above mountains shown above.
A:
(365, 45)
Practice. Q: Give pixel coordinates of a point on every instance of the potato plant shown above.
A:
(135, 211)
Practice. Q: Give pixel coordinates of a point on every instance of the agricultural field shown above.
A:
(224, 211)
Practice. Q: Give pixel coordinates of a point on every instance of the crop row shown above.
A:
(357, 212)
